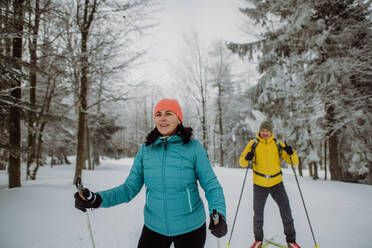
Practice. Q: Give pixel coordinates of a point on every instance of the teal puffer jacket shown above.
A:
(170, 170)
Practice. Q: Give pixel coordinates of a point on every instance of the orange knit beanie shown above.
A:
(171, 105)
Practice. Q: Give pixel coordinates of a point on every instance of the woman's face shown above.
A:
(265, 133)
(166, 122)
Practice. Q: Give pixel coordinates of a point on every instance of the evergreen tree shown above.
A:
(313, 57)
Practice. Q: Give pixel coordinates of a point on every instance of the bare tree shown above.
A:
(33, 79)
(220, 70)
(99, 56)
(192, 72)
(84, 15)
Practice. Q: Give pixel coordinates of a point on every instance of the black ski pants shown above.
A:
(279, 195)
(151, 239)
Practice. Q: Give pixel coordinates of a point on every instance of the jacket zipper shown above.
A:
(163, 178)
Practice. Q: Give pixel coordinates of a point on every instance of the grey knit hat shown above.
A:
(267, 125)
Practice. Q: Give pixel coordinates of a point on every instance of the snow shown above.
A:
(41, 213)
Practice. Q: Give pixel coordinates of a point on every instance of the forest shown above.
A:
(68, 87)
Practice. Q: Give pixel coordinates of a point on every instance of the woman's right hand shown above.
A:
(87, 199)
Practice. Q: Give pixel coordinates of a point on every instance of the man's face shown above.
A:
(265, 133)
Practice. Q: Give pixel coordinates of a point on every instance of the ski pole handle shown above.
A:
(84, 193)
(215, 217)
(78, 184)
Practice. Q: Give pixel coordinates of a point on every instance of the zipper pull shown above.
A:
(165, 143)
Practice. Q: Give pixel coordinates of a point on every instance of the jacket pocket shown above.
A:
(189, 197)
(147, 196)
(193, 198)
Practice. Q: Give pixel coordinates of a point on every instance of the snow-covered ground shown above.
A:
(41, 213)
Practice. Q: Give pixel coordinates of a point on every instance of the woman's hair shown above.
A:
(184, 132)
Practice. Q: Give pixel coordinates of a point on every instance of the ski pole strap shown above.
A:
(268, 176)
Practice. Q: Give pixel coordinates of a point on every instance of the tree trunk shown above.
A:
(80, 158)
(325, 159)
(90, 166)
(14, 168)
(214, 142)
(96, 161)
(33, 77)
(46, 108)
(204, 124)
(220, 123)
(334, 167)
(300, 167)
(66, 159)
(84, 25)
(315, 176)
(3, 159)
(311, 169)
(94, 142)
(321, 155)
(5, 41)
(39, 149)
(5, 49)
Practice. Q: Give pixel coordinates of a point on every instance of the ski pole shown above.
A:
(303, 202)
(80, 188)
(237, 209)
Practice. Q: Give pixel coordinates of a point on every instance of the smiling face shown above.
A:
(265, 133)
(166, 122)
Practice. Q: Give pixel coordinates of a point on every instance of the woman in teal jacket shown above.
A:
(169, 163)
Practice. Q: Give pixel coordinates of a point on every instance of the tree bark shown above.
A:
(204, 122)
(311, 169)
(325, 159)
(3, 159)
(14, 168)
(300, 167)
(90, 166)
(39, 150)
(33, 79)
(315, 176)
(220, 124)
(334, 167)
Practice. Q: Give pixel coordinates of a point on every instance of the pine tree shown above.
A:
(312, 66)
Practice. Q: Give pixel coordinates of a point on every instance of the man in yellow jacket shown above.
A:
(265, 152)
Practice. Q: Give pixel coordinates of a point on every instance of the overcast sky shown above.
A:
(212, 19)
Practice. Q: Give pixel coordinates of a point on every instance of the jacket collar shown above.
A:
(170, 139)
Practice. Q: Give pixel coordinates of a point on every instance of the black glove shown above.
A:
(249, 156)
(288, 149)
(87, 199)
(217, 224)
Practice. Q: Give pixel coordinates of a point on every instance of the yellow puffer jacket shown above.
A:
(266, 160)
